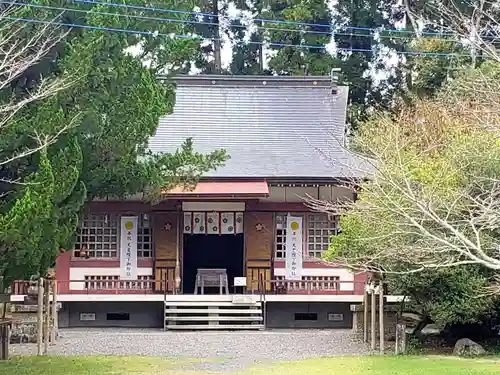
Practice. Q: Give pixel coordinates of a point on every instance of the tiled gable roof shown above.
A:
(275, 127)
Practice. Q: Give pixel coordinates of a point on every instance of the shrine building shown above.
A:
(242, 250)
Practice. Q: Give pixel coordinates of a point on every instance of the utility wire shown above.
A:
(174, 36)
(174, 20)
(155, 9)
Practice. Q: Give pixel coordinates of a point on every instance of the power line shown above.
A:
(150, 33)
(162, 19)
(173, 20)
(164, 10)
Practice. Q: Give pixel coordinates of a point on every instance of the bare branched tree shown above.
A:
(475, 23)
(434, 199)
(23, 45)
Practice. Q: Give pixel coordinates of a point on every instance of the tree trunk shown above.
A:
(217, 40)
(417, 332)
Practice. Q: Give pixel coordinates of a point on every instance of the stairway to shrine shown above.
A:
(239, 312)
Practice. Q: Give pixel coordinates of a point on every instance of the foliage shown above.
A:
(428, 217)
(430, 196)
(309, 55)
(445, 296)
(427, 74)
(113, 109)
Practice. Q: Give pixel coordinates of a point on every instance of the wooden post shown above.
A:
(400, 339)
(39, 325)
(381, 318)
(4, 340)
(373, 318)
(177, 271)
(3, 354)
(55, 318)
(366, 301)
(46, 314)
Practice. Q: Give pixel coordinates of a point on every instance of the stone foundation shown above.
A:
(390, 321)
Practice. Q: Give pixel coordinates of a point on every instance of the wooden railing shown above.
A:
(282, 286)
(167, 285)
(94, 286)
(20, 287)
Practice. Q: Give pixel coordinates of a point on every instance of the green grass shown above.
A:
(375, 365)
(325, 366)
(94, 365)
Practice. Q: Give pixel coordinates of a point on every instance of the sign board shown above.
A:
(87, 316)
(333, 317)
(243, 299)
(293, 243)
(128, 247)
(240, 281)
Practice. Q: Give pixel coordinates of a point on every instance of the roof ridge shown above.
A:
(254, 80)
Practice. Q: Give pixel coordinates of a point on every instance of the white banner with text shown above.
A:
(128, 247)
(294, 251)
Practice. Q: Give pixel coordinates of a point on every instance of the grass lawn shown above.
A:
(94, 365)
(324, 366)
(375, 365)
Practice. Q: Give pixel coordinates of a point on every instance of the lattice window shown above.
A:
(144, 237)
(280, 235)
(98, 237)
(320, 229)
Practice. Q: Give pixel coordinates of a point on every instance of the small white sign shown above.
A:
(240, 281)
(242, 299)
(87, 316)
(332, 317)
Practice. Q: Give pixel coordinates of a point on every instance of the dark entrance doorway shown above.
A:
(211, 251)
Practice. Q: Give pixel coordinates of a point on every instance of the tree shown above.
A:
(248, 50)
(428, 218)
(355, 32)
(431, 201)
(18, 58)
(108, 117)
(446, 296)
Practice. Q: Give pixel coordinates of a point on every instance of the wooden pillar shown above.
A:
(46, 314)
(373, 319)
(366, 301)
(381, 317)
(400, 339)
(177, 276)
(4, 340)
(39, 325)
(54, 315)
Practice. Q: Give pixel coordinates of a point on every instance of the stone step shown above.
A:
(210, 303)
(214, 318)
(199, 327)
(214, 311)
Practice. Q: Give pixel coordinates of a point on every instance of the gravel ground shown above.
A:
(233, 350)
